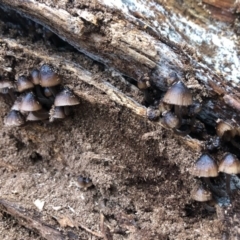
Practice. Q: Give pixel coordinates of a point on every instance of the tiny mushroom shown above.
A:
(170, 120)
(24, 83)
(66, 98)
(56, 113)
(30, 103)
(84, 182)
(201, 194)
(48, 77)
(205, 167)
(14, 119)
(226, 131)
(229, 165)
(41, 114)
(7, 87)
(178, 95)
(35, 77)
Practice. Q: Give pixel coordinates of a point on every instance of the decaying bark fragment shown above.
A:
(30, 222)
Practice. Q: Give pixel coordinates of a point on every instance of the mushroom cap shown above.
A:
(171, 120)
(66, 98)
(42, 114)
(14, 119)
(225, 128)
(35, 77)
(48, 77)
(30, 103)
(201, 194)
(5, 83)
(229, 164)
(205, 166)
(84, 182)
(178, 94)
(57, 112)
(17, 103)
(24, 83)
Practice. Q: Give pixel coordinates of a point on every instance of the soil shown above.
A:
(140, 171)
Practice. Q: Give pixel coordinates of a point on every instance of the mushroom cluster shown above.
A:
(206, 168)
(177, 109)
(37, 97)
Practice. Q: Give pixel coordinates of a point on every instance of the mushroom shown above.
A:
(14, 119)
(30, 103)
(229, 165)
(227, 132)
(84, 182)
(6, 87)
(39, 115)
(66, 98)
(48, 77)
(56, 113)
(178, 95)
(35, 77)
(205, 167)
(24, 83)
(170, 120)
(202, 194)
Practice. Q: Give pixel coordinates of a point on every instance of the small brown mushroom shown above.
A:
(14, 119)
(35, 77)
(229, 165)
(56, 113)
(39, 115)
(170, 120)
(205, 167)
(178, 95)
(24, 83)
(48, 77)
(84, 182)
(226, 131)
(201, 194)
(30, 103)
(66, 98)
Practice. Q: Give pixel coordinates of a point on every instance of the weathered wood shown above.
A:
(30, 222)
(153, 40)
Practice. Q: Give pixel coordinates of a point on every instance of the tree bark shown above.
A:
(143, 40)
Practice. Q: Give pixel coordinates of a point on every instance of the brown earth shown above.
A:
(139, 170)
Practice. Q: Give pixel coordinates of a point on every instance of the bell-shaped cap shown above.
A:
(14, 119)
(30, 103)
(17, 103)
(35, 77)
(201, 194)
(229, 164)
(225, 129)
(56, 113)
(66, 98)
(170, 120)
(24, 83)
(5, 83)
(41, 114)
(178, 94)
(205, 166)
(48, 77)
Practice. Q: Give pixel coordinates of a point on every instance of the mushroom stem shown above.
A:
(178, 112)
(213, 188)
(228, 184)
(209, 208)
(234, 143)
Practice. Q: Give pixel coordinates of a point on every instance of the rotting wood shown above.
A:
(30, 222)
(158, 42)
(89, 78)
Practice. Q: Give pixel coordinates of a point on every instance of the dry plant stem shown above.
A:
(29, 222)
(100, 235)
